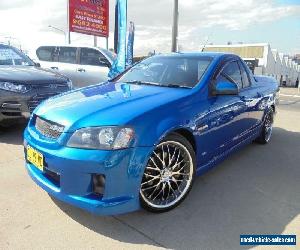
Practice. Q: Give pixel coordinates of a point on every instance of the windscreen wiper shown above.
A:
(176, 86)
(157, 84)
(143, 83)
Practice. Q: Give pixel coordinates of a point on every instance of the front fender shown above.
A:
(157, 130)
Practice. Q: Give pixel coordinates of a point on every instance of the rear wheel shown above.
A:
(169, 174)
(267, 129)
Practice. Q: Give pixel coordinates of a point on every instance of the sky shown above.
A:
(276, 22)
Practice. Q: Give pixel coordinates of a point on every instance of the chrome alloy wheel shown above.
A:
(168, 175)
(268, 127)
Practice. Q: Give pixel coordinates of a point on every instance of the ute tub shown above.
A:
(123, 170)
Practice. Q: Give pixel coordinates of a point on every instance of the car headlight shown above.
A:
(14, 87)
(106, 138)
(70, 84)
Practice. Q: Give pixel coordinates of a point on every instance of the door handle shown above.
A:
(55, 68)
(81, 70)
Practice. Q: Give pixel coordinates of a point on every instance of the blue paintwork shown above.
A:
(223, 88)
(219, 125)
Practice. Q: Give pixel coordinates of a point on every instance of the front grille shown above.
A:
(53, 86)
(37, 99)
(48, 129)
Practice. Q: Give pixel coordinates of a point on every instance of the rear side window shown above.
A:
(232, 71)
(245, 77)
(45, 53)
(67, 55)
(91, 57)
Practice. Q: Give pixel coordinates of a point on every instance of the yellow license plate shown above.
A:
(35, 157)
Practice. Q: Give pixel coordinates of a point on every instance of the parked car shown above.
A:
(140, 140)
(24, 85)
(83, 65)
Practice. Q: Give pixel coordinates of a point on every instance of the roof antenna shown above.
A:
(206, 42)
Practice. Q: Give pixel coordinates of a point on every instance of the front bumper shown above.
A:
(17, 105)
(123, 170)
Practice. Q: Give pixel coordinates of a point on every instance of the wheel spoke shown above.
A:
(163, 191)
(178, 164)
(154, 163)
(175, 182)
(153, 192)
(163, 155)
(154, 169)
(157, 156)
(144, 183)
(173, 191)
(158, 194)
(169, 156)
(151, 176)
(174, 152)
(179, 171)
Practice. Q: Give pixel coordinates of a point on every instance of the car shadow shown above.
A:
(13, 134)
(254, 191)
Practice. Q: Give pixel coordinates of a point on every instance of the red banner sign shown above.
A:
(89, 17)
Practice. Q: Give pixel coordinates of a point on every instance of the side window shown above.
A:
(92, 57)
(45, 53)
(67, 55)
(232, 72)
(245, 77)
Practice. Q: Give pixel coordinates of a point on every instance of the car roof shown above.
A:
(198, 54)
(70, 45)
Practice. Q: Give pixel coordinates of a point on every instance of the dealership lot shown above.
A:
(254, 191)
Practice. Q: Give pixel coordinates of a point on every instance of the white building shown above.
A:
(278, 66)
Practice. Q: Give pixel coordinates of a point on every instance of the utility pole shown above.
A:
(68, 22)
(65, 34)
(175, 27)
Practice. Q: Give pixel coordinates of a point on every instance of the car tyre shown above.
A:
(169, 174)
(267, 128)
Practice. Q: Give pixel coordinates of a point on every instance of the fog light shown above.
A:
(98, 184)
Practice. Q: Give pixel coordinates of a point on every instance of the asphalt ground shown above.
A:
(254, 191)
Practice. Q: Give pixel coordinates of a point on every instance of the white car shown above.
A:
(83, 65)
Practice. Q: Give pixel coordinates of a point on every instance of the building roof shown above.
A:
(255, 50)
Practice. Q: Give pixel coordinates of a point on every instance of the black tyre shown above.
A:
(169, 174)
(267, 128)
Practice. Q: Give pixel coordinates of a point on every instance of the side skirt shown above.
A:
(217, 159)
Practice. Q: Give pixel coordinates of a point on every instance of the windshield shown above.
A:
(10, 56)
(169, 71)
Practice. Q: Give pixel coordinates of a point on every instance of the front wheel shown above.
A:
(169, 174)
(267, 129)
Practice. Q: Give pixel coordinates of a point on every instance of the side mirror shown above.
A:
(38, 65)
(226, 88)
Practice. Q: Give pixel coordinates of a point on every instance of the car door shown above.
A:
(252, 96)
(227, 117)
(66, 62)
(93, 67)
